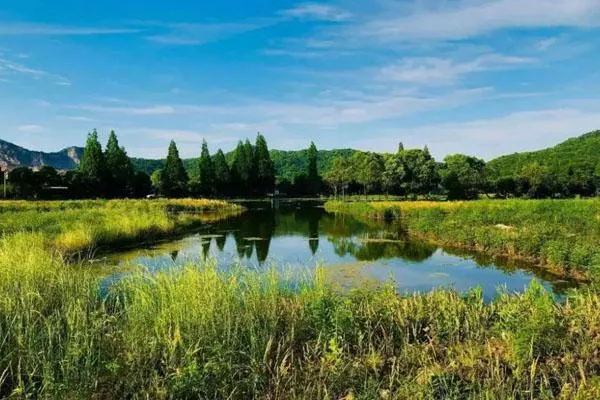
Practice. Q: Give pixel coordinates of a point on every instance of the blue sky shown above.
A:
(483, 77)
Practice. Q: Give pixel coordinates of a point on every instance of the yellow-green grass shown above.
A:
(80, 227)
(560, 234)
(247, 334)
(204, 333)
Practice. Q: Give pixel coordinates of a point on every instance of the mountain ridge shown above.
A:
(574, 153)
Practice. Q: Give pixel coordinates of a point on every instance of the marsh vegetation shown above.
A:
(200, 331)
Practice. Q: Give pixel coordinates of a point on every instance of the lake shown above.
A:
(301, 235)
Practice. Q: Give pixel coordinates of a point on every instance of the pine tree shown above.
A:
(237, 170)
(207, 173)
(250, 168)
(265, 169)
(92, 168)
(314, 180)
(174, 175)
(121, 173)
(222, 174)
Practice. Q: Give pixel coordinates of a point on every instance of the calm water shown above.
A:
(302, 235)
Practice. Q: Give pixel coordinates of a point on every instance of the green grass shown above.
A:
(199, 332)
(563, 235)
(82, 227)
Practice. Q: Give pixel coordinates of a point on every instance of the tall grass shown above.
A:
(80, 227)
(198, 332)
(564, 234)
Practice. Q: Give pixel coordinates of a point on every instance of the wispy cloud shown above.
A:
(34, 29)
(31, 128)
(436, 71)
(126, 110)
(492, 137)
(192, 34)
(10, 67)
(317, 12)
(470, 18)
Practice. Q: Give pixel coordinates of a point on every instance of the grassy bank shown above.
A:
(81, 227)
(198, 332)
(560, 234)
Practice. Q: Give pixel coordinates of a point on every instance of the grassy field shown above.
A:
(201, 333)
(563, 235)
(82, 227)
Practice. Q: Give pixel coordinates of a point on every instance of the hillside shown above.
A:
(12, 156)
(288, 164)
(578, 153)
(574, 154)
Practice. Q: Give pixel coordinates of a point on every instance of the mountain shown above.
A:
(580, 153)
(12, 156)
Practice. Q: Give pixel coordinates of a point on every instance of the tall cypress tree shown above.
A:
(222, 174)
(121, 172)
(250, 168)
(237, 170)
(313, 171)
(174, 176)
(314, 180)
(207, 173)
(265, 169)
(92, 168)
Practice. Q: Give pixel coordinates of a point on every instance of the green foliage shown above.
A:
(463, 176)
(222, 174)
(555, 234)
(207, 172)
(174, 177)
(121, 173)
(93, 169)
(265, 169)
(243, 333)
(340, 175)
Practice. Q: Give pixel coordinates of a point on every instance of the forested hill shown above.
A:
(288, 164)
(580, 153)
(12, 155)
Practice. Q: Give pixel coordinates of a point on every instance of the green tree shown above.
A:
(420, 172)
(340, 175)
(265, 169)
(120, 171)
(313, 177)
(222, 174)
(393, 175)
(538, 179)
(23, 182)
(463, 176)
(207, 172)
(156, 180)
(92, 168)
(370, 175)
(174, 175)
(243, 171)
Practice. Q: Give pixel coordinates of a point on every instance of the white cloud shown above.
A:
(492, 137)
(317, 12)
(9, 67)
(470, 18)
(30, 128)
(435, 71)
(191, 34)
(149, 110)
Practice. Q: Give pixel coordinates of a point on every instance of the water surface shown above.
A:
(355, 253)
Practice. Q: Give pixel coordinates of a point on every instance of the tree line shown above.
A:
(414, 172)
(250, 172)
